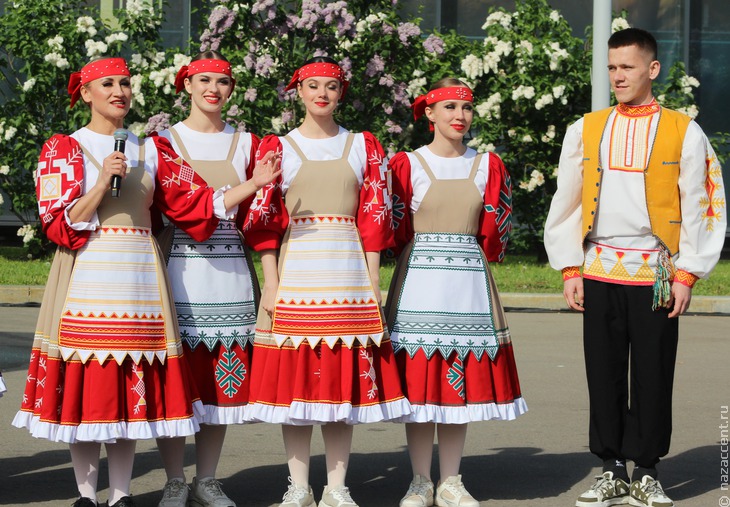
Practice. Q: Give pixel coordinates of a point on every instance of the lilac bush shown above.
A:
(530, 77)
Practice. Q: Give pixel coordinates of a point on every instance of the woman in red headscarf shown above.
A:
(321, 353)
(106, 362)
(448, 328)
(214, 289)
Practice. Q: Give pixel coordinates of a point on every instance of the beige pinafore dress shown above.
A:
(326, 356)
(106, 358)
(447, 324)
(325, 292)
(443, 297)
(213, 286)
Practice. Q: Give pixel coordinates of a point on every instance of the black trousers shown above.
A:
(630, 353)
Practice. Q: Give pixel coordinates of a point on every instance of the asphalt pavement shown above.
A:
(541, 459)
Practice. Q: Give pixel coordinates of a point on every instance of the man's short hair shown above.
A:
(634, 37)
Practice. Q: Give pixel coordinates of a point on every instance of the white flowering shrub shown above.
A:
(41, 43)
(677, 92)
(529, 74)
(531, 78)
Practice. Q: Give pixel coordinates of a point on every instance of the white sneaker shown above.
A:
(174, 494)
(337, 497)
(298, 496)
(208, 493)
(452, 493)
(605, 492)
(419, 494)
(648, 493)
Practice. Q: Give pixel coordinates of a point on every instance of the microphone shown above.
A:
(120, 139)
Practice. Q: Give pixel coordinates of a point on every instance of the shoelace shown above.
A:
(294, 493)
(174, 489)
(342, 495)
(456, 488)
(212, 487)
(652, 488)
(420, 489)
(604, 485)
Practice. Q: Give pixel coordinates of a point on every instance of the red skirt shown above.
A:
(306, 385)
(456, 391)
(222, 378)
(70, 401)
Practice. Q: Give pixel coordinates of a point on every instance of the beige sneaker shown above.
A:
(452, 493)
(419, 494)
(208, 493)
(337, 497)
(175, 494)
(298, 496)
(606, 491)
(648, 493)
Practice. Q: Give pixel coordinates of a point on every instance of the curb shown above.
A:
(31, 295)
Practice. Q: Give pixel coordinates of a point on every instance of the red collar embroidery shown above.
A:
(636, 111)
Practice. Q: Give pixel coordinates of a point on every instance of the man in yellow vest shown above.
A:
(640, 209)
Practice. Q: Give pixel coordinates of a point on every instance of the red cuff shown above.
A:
(571, 272)
(685, 278)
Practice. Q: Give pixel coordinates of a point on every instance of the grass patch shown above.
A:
(17, 269)
(518, 273)
(523, 273)
(719, 282)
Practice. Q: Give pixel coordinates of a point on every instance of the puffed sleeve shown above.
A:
(495, 222)
(563, 227)
(267, 218)
(375, 212)
(246, 204)
(704, 219)
(400, 168)
(182, 195)
(59, 184)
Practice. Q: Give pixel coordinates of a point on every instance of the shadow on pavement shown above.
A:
(691, 473)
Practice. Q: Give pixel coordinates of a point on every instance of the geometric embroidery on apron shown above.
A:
(230, 372)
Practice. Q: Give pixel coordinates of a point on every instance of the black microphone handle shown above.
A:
(116, 179)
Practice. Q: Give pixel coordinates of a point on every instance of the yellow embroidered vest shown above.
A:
(660, 176)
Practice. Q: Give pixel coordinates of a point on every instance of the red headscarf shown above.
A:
(95, 70)
(440, 94)
(198, 66)
(319, 69)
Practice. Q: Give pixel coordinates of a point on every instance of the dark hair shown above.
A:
(209, 55)
(446, 82)
(634, 37)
